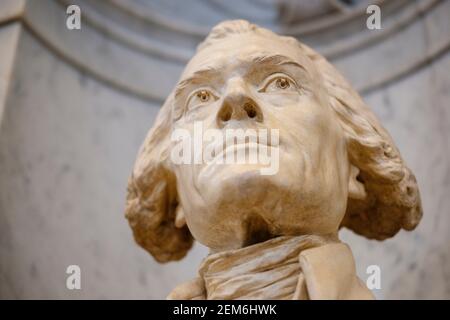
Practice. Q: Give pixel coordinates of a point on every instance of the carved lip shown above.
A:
(252, 141)
(249, 147)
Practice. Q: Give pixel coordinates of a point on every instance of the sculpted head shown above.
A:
(337, 167)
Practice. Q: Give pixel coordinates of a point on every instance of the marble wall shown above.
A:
(76, 104)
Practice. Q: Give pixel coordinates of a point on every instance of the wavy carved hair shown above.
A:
(392, 202)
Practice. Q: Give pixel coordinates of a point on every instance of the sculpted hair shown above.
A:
(151, 195)
(392, 202)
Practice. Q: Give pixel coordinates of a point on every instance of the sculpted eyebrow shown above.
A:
(205, 73)
(276, 59)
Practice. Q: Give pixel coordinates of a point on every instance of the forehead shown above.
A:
(242, 50)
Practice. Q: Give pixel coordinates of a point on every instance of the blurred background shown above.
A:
(75, 106)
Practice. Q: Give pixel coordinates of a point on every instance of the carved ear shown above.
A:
(356, 189)
(152, 197)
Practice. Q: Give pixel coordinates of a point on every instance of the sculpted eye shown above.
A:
(200, 97)
(282, 83)
(203, 95)
(279, 83)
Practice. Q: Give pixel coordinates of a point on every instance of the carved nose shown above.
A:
(238, 105)
(239, 110)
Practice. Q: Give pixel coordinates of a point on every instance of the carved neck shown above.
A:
(326, 238)
(272, 265)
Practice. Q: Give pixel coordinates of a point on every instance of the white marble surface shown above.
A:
(70, 133)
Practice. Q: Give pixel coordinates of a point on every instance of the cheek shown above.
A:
(311, 130)
(188, 197)
(280, 100)
(301, 120)
(201, 113)
(183, 178)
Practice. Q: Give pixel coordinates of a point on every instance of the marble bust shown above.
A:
(271, 236)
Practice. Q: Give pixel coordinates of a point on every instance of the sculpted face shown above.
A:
(249, 81)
